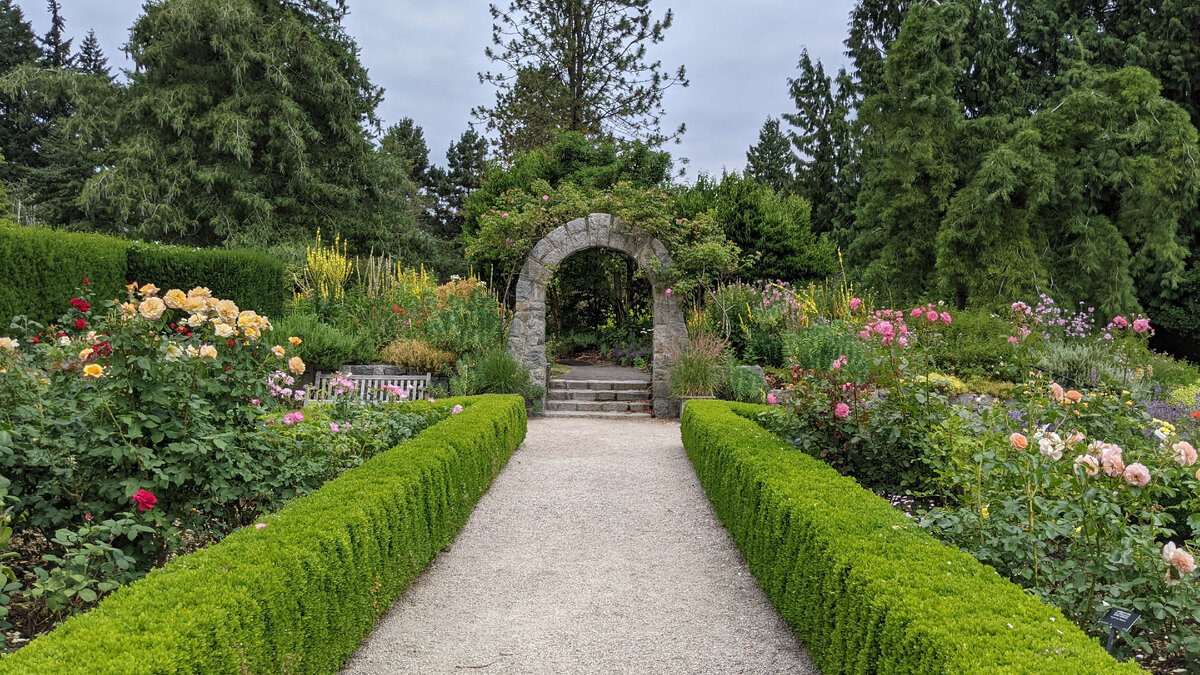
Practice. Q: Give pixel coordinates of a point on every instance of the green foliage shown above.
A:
(44, 267)
(324, 347)
(96, 560)
(699, 369)
(819, 544)
(19, 132)
(252, 279)
(302, 592)
(744, 386)
(976, 345)
(821, 344)
(467, 319)
(771, 161)
(260, 141)
(577, 66)
(772, 231)
(466, 161)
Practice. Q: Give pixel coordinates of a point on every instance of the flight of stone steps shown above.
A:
(624, 398)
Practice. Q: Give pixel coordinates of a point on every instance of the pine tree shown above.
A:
(56, 47)
(91, 59)
(243, 124)
(771, 161)
(910, 164)
(405, 140)
(466, 161)
(576, 65)
(18, 130)
(874, 26)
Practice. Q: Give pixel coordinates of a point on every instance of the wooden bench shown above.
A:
(369, 388)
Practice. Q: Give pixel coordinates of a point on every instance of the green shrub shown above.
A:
(466, 320)
(252, 279)
(862, 585)
(43, 268)
(820, 345)
(323, 347)
(745, 386)
(976, 345)
(418, 356)
(696, 371)
(300, 594)
(494, 372)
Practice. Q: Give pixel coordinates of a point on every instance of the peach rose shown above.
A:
(152, 308)
(296, 365)
(175, 299)
(1056, 391)
(1018, 441)
(1090, 464)
(1184, 453)
(1073, 396)
(227, 310)
(1137, 475)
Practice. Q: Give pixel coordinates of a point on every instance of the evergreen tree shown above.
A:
(243, 124)
(56, 47)
(910, 164)
(576, 65)
(466, 162)
(6, 205)
(91, 59)
(18, 130)
(874, 26)
(770, 162)
(813, 128)
(405, 140)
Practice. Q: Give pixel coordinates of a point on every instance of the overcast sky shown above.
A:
(426, 55)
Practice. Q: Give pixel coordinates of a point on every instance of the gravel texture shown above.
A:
(595, 550)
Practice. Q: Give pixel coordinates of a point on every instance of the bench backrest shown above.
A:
(369, 388)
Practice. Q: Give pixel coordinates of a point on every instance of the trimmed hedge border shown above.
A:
(300, 595)
(45, 267)
(863, 586)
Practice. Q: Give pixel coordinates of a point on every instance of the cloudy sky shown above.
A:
(426, 56)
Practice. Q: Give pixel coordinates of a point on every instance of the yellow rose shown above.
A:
(93, 370)
(227, 310)
(173, 353)
(208, 352)
(175, 299)
(152, 308)
(296, 365)
(200, 292)
(247, 318)
(193, 304)
(8, 343)
(278, 351)
(224, 330)
(149, 290)
(211, 303)
(83, 355)
(295, 341)
(130, 308)
(131, 286)
(192, 351)
(251, 332)
(196, 320)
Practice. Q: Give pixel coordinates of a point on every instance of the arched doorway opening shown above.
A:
(527, 337)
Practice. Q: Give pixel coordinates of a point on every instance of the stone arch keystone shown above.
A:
(527, 337)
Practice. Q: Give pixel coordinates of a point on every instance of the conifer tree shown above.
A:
(771, 161)
(18, 131)
(244, 124)
(813, 126)
(466, 162)
(576, 65)
(56, 47)
(91, 59)
(405, 140)
(910, 161)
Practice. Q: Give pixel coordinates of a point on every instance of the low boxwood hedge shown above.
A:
(299, 595)
(863, 586)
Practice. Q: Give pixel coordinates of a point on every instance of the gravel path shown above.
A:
(595, 550)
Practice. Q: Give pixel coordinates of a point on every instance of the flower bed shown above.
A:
(300, 590)
(863, 586)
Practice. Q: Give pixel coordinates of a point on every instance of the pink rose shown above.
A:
(1119, 321)
(946, 318)
(333, 426)
(1012, 339)
(841, 411)
(1179, 559)
(903, 342)
(1141, 325)
(1110, 459)
(1184, 453)
(1137, 475)
(456, 409)
(145, 500)
(855, 303)
(1056, 391)
(916, 311)
(1090, 464)
(771, 399)
(667, 292)
(931, 316)
(260, 526)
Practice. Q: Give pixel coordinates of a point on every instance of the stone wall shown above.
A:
(527, 338)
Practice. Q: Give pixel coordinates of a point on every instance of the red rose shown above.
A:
(1196, 414)
(62, 335)
(103, 348)
(145, 500)
(230, 343)
(85, 280)
(395, 308)
(80, 324)
(35, 340)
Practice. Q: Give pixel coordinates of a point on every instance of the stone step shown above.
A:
(599, 384)
(606, 415)
(599, 406)
(598, 394)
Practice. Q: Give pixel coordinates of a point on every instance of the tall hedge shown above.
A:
(43, 267)
(865, 588)
(299, 595)
(252, 279)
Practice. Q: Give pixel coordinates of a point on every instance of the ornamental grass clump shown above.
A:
(697, 370)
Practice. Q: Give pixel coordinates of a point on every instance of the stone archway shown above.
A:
(527, 338)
